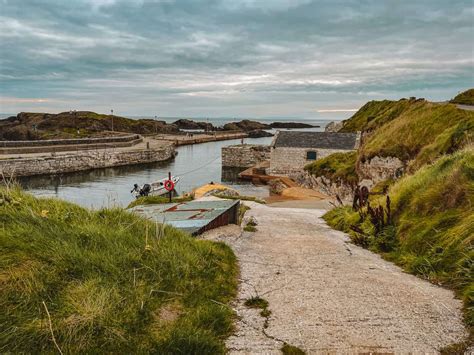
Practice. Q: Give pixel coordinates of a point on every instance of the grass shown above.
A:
(288, 349)
(153, 200)
(260, 303)
(251, 226)
(110, 281)
(415, 131)
(336, 167)
(464, 98)
(432, 233)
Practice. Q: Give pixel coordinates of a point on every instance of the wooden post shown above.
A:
(169, 178)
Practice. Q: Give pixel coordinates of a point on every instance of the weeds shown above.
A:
(288, 349)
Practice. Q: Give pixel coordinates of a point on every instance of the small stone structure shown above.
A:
(244, 155)
(83, 160)
(292, 150)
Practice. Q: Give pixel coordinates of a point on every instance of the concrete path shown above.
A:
(327, 295)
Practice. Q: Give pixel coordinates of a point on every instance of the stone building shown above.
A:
(292, 150)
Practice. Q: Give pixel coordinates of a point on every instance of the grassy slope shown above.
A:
(464, 98)
(338, 166)
(107, 285)
(433, 230)
(416, 131)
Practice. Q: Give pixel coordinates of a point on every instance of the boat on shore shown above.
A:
(157, 188)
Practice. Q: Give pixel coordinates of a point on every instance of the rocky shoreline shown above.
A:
(86, 124)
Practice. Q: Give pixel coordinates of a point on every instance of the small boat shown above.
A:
(156, 188)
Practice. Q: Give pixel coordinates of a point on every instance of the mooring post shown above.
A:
(169, 178)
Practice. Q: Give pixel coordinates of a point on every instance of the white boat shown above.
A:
(156, 188)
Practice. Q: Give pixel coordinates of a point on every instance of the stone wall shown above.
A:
(244, 155)
(84, 160)
(74, 141)
(285, 161)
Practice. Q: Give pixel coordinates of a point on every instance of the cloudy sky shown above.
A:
(231, 58)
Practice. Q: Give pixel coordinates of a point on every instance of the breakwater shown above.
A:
(83, 160)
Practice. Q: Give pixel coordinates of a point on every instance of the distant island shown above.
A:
(82, 124)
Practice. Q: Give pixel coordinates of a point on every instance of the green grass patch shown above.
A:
(256, 302)
(433, 225)
(260, 303)
(251, 225)
(288, 349)
(464, 98)
(336, 167)
(111, 281)
(154, 200)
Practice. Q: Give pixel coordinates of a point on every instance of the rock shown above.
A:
(245, 125)
(259, 133)
(276, 186)
(190, 124)
(82, 124)
(334, 126)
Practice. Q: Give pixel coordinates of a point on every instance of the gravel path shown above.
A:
(329, 296)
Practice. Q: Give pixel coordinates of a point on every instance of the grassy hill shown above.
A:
(415, 131)
(107, 282)
(464, 98)
(32, 126)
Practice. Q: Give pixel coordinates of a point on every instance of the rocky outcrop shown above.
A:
(380, 168)
(325, 185)
(333, 126)
(191, 125)
(245, 125)
(259, 133)
(80, 124)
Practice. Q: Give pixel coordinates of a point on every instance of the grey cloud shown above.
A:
(211, 57)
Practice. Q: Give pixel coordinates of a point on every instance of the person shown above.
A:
(135, 188)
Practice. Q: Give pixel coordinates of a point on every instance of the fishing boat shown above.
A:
(156, 188)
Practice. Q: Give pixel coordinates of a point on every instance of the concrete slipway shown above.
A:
(328, 296)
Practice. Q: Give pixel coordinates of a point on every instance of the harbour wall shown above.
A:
(83, 160)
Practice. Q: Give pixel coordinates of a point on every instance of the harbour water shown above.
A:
(195, 164)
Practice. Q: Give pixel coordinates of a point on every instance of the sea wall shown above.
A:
(83, 160)
(75, 141)
(244, 155)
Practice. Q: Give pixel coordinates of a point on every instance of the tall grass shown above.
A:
(432, 234)
(415, 131)
(110, 281)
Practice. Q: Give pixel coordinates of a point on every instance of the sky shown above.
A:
(231, 58)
